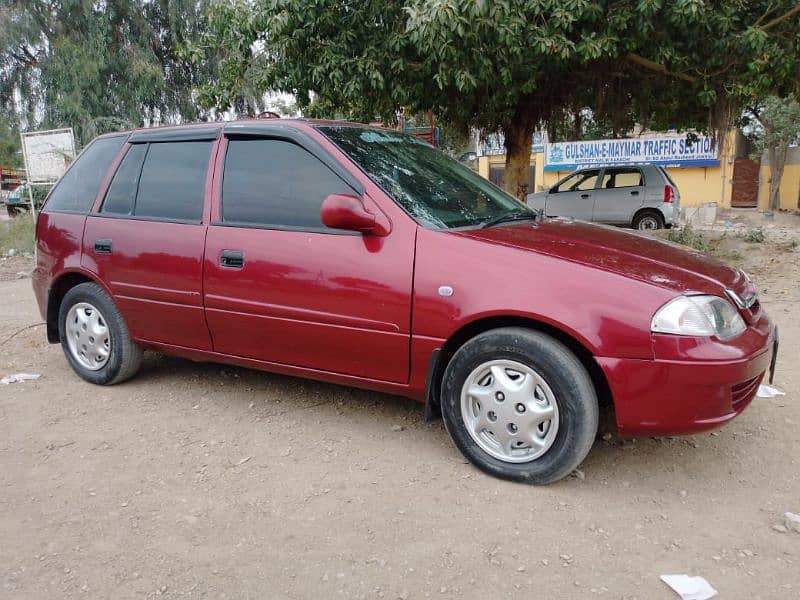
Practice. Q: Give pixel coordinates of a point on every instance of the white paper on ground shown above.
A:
(768, 391)
(17, 377)
(690, 588)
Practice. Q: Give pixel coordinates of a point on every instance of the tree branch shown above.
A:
(783, 17)
(658, 68)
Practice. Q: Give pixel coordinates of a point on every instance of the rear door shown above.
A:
(146, 239)
(283, 288)
(620, 193)
(573, 196)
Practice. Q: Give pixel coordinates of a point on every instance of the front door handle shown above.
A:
(584, 195)
(233, 259)
(102, 246)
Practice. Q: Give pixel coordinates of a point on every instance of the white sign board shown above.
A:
(47, 154)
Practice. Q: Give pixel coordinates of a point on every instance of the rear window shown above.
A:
(160, 181)
(76, 190)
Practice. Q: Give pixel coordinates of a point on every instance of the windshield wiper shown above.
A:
(518, 215)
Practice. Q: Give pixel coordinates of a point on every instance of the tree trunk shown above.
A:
(518, 158)
(777, 160)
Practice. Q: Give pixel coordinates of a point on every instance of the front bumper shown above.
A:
(672, 397)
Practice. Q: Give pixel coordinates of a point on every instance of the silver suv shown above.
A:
(642, 196)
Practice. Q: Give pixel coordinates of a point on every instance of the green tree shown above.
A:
(510, 65)
(99, 66)
(778, 126)
(10, 155)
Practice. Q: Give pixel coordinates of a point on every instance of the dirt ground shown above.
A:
(204, 481)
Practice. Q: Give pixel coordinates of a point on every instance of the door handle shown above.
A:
(233, 259)
(102, 246)
(584, 195)
(634, 192)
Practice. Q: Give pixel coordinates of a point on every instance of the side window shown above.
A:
(172, 182)
(121, 194)
(621, 178)
(585, 180)
(275, 182)
(78, 187)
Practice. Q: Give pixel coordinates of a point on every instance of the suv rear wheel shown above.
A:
(95, 338)
(519, 405)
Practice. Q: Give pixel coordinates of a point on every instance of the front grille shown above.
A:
(743, 393)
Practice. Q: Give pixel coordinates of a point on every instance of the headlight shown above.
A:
(698, 316)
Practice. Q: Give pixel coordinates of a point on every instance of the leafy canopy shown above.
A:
(506, 64)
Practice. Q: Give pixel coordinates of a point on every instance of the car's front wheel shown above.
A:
(95, 338)
(519, 405)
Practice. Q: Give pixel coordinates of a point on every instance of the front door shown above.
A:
(620, 194)
(574, 196)
(281, 287)
(146, 241)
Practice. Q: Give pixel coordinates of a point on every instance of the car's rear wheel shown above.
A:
(648, 219)
(519, 405)
(95, 338)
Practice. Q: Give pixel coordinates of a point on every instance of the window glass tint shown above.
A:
(173, 181)
(585, 180)
(78, 188)
(274, 182)
(624, 178)
(434, 189)
(122, 191)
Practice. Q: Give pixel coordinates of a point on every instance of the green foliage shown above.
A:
(510, 65)
(755, 235)
(10, 155)
(777, 123)
(688, 236)
(17, 234)
(99, 66)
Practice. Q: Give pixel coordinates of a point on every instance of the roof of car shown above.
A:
(174, 131)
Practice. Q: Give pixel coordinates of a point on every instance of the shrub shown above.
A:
(687, 236)
(754, 236)
(17, 234)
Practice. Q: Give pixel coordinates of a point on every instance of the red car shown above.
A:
(365, 257)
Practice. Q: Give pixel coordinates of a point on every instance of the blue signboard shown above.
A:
(671, 151)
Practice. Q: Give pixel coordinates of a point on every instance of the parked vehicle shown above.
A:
(17, 201)
(641, 196)
(365, 257)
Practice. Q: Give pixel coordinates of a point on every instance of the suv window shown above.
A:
(78, 187)
(621, 178)
(173, 180)
(275, 183)
(581, 181)
(121, 194)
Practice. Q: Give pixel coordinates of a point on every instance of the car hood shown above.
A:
(620, 251)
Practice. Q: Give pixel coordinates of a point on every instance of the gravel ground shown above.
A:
(203, 481)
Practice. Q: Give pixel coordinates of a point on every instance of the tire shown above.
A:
(15, 211)
(90, 310)
(561, 389)
(647, 220)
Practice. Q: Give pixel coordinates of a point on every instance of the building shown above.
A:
(730, 180)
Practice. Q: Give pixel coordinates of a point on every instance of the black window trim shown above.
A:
(90, 208)
(134, 217)
(620, 168)
(301, 140)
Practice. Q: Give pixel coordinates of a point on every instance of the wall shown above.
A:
(790, 182)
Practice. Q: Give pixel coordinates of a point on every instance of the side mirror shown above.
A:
(342, 211)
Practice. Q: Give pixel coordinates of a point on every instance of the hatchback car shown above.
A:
(642, 196)
(366, 257)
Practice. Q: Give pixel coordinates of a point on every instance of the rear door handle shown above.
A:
(634, 192)
(102, 246)
(233, 259)
(584, 195)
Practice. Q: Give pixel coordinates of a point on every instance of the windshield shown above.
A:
(437, 191)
